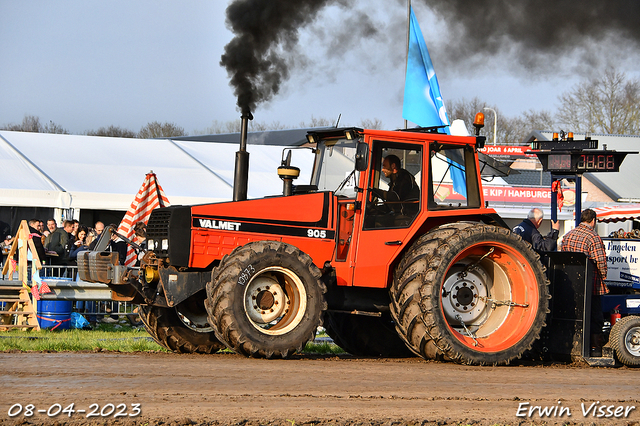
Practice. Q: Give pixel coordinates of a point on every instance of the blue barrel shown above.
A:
(54, 314)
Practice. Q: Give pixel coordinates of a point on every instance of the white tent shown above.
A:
(103, 173)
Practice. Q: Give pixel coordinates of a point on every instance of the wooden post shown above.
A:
(22, 243)
(21, 309)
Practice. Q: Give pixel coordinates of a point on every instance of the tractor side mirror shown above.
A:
(362, 157)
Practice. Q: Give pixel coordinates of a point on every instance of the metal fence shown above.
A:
(93, 300)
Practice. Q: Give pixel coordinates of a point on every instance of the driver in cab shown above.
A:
(402, 187)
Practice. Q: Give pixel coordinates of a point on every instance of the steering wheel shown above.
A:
(378, 205)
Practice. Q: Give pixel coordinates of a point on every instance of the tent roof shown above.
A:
(74, 171)
(290, 137)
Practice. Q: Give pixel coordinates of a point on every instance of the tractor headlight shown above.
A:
(165, 244)
(151, 245)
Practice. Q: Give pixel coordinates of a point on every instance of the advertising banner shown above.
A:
(508, 150)
(508, 194)
(623, 262)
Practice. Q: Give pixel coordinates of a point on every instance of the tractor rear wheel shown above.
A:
(471, 293)
(362, 335)
(179, 331)
(625, 340)
(266, 300)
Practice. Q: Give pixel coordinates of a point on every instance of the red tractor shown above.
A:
(387, 271)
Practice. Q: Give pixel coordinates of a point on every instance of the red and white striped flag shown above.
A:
(149, 197)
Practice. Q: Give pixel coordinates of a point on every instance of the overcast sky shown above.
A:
(85, 64)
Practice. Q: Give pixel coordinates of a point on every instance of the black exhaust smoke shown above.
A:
(532, 33)
(258, 58)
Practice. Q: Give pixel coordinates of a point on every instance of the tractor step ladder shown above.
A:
(18, 311)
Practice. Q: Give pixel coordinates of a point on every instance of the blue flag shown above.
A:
(423, 103)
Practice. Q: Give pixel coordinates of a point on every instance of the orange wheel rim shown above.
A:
(503, 291)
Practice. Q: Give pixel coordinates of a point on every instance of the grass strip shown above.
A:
(108, 337)
(104, 338)
(322, 348)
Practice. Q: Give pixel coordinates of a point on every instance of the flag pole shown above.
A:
(406, 62)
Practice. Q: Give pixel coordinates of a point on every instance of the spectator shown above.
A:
(117, 244)
(528, 230)
(80, 244)
(51, 227)
(5, 230)
(140, 230)
(76, 225)
(98, 228)
(5, 240)
(585, 239)
(57, 241)
(68, 228)
(36, 236)
(41, 228)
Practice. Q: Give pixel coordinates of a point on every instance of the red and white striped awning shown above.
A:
(618, 213)
(149, 197)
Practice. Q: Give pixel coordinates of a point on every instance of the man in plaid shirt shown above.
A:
(584, 239)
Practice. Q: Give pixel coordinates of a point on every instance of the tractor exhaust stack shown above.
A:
(241, 174)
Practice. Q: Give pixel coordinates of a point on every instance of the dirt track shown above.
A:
(229, 389)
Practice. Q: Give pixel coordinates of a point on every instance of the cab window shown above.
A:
(453, 178)
(393, 192)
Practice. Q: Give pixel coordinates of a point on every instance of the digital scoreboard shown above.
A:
(581, 162)
(567, 158)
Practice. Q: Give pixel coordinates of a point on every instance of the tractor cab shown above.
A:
(450, 181)
(390, 187)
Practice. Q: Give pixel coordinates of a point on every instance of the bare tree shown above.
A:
(509, 130)
(155, 129)
(233, 126)
(607, 104)
(112, 131)
(518, 128)
(31, 123)
(317, 122)
(52, 127)
(262, 126)
(376, 123)
(466, 110)
(217, 127)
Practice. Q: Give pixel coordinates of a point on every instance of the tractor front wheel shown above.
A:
(266, 299)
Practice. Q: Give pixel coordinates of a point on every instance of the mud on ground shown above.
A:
(227, 389)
